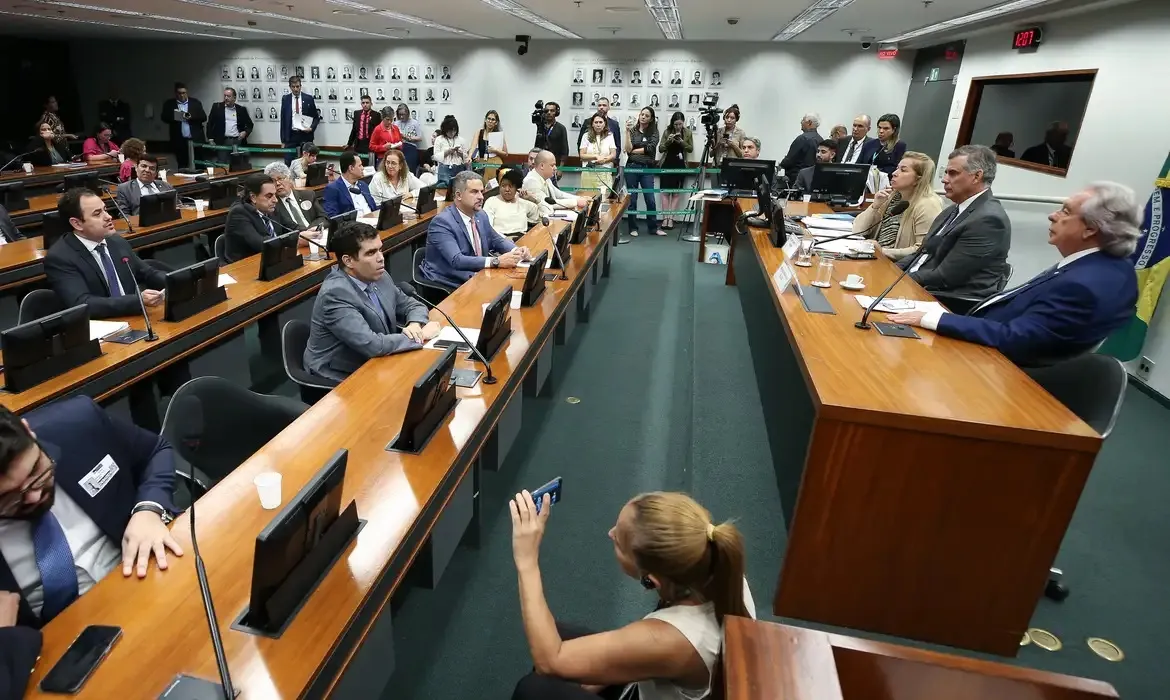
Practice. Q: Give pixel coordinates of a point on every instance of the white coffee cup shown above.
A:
(807, 198)
(28, 167)
(268, 486)
(162, 175)
(854, 281)
(199, 203)
(211, 171)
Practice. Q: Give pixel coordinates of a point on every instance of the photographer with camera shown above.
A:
(730, 138)
(550, 134)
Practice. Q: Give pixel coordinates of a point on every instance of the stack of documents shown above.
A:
(101, 329)
(893, 306)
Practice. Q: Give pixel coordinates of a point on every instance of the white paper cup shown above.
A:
(162, 175)
(268, 486)
(211, 171)
(121, 157)
(199, 206)
(807, 198)
(28, 167)
(299, 182)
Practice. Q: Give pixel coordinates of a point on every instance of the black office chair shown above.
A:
(215, 425)
(293, 339)
(221, 249)
(430, 291)
(1093, 387)
(37, 304)
(962, 304)
(159, 265)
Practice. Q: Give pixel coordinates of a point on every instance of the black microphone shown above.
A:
(898, 207)
(556, 250)
(863, 324)
(22, 155)
(408, 289)
(225, 677)
(114, 199)
(150, 336)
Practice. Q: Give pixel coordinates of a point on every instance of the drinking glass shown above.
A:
(804, 253)
(824, 272)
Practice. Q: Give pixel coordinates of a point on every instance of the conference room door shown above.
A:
(929, 100)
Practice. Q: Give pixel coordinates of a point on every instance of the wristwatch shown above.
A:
(495, 262)
(153, 508)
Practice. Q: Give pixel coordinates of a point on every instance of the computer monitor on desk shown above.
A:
(425, 201)
(46, 347)
(316, 174)
(839, 184)
(741, 176)
(12, 196)
(158, 208)
(52, 228)
(239, 162)
(192, 289)
(431, 399)
(87, 180)
(223, 193)
(278, 256)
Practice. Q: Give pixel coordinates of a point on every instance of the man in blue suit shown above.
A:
(461, 240)
(81, 495)
(298, 118)
(1070, 307)
(348, 192)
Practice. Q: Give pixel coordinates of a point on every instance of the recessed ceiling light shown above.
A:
(619, 8)
(817, 11)
(521, 12)
(666, 15)
(977, 16)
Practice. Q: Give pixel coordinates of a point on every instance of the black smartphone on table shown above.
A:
(80, 659)
(552, 488)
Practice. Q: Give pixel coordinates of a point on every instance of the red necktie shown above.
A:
(362, 126)
(475, 244)
(298, 101)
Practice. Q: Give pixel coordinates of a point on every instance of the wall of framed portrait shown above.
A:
(774, 84)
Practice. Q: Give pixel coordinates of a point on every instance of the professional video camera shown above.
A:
(711, 116)
(538, 113)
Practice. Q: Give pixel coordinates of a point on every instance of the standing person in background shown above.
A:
(408, 126)
(46, 149)
(900, 235)
(615, 128)
(228, 124)
(641, 151)
(364, 123)
(598, 154)
(1003, 144)
(891, 149)
(451, 151)
(551, 135)
(859, 146)
(116, 113)
(298, 118)
(386, 136)
(730, 140)
(676, 144)
(99, 149)
(187, 126)
(132, 150)
(803, 151)
(50, 117)
(309, 152)
(838, 132)
(483, 149)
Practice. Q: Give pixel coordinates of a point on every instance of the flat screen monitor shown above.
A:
(223, 193)
(12, 196)
(335, 222)
(239, 162)
(594, 212)
(390, 214)
(316, 174)
(192, 289)
(46, 347)
(291, 537)
(534, 280)
(839, 183)
(155, 209)
(497, 324)
(742, 175)
(87, 180)
(431, 398)
(52, 228)
(562, 240)
(580, 227)
(425, 201)
(278, 256)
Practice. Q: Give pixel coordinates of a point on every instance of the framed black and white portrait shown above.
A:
(301, 72)
(444, 73)
(696, 78)
(379, 72)
(445, 96)
(716, 78)
(656, 77)
(430, 116)
(429, 76)
(598, 76)
(395, 72)
(225, 72)
(616, 77)
(334, 117)
(347, 72)
(333, 94)
(412, 95)
(314, 72)
(636, 77)
(396, 95)
(242, 93)
(412, 73)
(578, 99)
(430, 95)
(362, 73)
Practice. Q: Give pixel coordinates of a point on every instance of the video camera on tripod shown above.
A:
(538, 113)
(711, 116)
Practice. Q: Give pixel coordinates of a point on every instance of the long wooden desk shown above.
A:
(767, 661)
(48, 176)
(926, 484)
(417, 507)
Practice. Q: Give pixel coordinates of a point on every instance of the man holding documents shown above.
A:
(298, 118)
(185, 117)
(359, 313)
(1070, 307)
(539, 187)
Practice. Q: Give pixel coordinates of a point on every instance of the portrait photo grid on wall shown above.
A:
(661, 85)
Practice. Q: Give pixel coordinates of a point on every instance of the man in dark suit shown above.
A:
(8, 230)
(228, 124)
(803, 151)
(296, 210)
(129, 194)
(461, 240)
(359, 313)
(1075, 304)
(1054, 151)
(364, 121)
(187, 125)
(116, 113)
(826, 151)
(20, 647)
(252, 220)
(965, 251)
(349, 192)
(859, 146)
(298, 118)
(81, 495)
(96, 267)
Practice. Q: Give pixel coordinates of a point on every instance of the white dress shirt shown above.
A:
(290, 203)
(184, 126)
(94, 554)
(847, 157)
(963, 206)
(97, 256)
(230, 128)
(359, 201)
(148, 188)
(382, 189)
(487, 260)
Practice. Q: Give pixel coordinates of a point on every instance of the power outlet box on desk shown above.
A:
(1145, 368)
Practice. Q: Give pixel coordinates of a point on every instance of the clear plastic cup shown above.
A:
(211, 171)
(268, 487)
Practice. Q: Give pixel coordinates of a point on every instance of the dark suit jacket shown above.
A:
(246, 232)
(78, 434)
(1055, 315)
(19, 649)
(802, 153)
(450, 259)
(77, 279)
(41, 157)
(308, 106)
(555, 139)
(129, 194)
(363, 146)
(338, 199)
(7, 228)
(196, 119)
(314, 215)
(117, 115)
(970, 256)
(869, 147)
(216, 125)
(887, 161)
(1039, 154)
(804, 179)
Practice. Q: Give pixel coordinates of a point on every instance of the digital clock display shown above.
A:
(1027, 38)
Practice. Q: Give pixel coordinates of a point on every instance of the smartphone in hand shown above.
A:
(552, 488)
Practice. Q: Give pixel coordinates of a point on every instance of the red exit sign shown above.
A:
(887, 54)
(1028, 38)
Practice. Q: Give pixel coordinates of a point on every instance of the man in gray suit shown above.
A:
(965, 252)
(359, 313)
(129, 193)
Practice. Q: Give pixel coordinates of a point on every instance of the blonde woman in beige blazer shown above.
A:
(911, 181)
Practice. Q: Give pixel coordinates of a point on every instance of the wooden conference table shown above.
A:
(926, 484)
(417, 507)
(49, 176)
(767, 661)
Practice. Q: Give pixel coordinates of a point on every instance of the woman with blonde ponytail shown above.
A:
(671, 545)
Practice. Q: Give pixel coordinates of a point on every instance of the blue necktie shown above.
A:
(372, 293)
(111, 273)
(55, 562)
(268, 223)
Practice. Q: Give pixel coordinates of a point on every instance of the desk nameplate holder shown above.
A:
(281, 267)
(306, 577)
(814, 300)
(176, 312)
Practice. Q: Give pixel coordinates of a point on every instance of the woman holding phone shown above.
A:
(676, 144)
(451, 151)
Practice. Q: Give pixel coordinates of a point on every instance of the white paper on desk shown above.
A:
(100, 329)
(226, 280)
(893, 306)
(564, 215)
(814, 223)
(528, 263)
(189, 176)
(846, 246)
(450, 335)
(708, 196)
(302, 122)
(68, 165)
(783, 276)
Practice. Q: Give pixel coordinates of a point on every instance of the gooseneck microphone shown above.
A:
(409, 290)
(899, 207)
(556, 249)
(150, 336)
(114, 199)
(22, 155)
(863, 324)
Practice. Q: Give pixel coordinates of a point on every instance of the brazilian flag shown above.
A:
(1152, 262)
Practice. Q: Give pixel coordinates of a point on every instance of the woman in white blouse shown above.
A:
(393, 178)
(451, 151)
(598, 153)
(508, 212)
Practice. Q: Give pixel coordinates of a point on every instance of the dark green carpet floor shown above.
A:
(669, 401)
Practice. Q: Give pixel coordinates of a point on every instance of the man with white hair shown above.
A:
(803, 151)
(858, 146)
(296, 210)
(1075, 304)
(751, 147)
(539, 187)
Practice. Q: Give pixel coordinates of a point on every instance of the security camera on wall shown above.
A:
(866, 43)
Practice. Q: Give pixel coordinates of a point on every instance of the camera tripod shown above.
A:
(696, 234)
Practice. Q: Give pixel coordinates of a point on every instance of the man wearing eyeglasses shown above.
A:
(81, 494)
